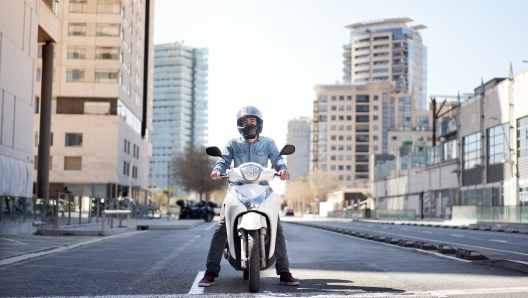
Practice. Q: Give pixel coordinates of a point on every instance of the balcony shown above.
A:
(399, 71)
(398, 55)
(400, 48)
(347, 61)
(347, 46)
(347, 54)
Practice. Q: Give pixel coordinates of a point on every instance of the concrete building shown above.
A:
(352, 121)
(24, 23)
(180, 105)
(299, 136)
(102, 99)
(388, 50)
(479, 174)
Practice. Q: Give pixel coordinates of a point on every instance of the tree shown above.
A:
(322, 183)
(192, 168)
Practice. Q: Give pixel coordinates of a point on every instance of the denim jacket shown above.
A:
(241, 151)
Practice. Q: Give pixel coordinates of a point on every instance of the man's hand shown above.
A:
(284, 175)
(215, 175)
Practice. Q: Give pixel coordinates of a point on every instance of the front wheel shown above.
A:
(254, 261)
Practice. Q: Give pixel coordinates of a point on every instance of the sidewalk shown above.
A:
(15, 248)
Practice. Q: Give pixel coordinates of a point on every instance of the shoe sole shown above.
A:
(292, 283)
(205, 284)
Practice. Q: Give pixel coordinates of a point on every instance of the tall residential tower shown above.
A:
(388, 50)
(299, 136)
(180, 105)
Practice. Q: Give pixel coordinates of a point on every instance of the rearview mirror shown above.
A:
(286, 150)
(213, 151)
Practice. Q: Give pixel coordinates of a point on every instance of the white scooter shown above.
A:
(251, 215)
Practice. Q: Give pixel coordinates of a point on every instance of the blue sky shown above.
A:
(270, 54)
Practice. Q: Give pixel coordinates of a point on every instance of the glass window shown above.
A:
(362, 138)
(375, 138)
(108, 30)
(73, 139)
(96, 108)
(75, 75)
(105, 76)
(108, 7)
(76, 52)
(334, 98)
(349, 118)
(362, 98)
(362, 168)
(522, 137)
(362, 118)
(73, 163)
(498, 144)
(375, 117)
(472, 146)
(111, 53)
(77, 29)
(78, 6)
(362, 109)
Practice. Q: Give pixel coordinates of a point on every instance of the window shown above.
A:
(332, 167)
(75, 75)
(375, 117)
(362, 98)
(332, 148)
(108, 7)
(77, 6)
(376, 108)
(362, 118)
(362, 138)
(522, 137)
(76, 52)
(498, 143)
(375, 127)
(39, 74)
(111, 53)
(375, 138)
(362, 109)
(375, 97)
(332, 157)
(108, 30)
(333, 138)
(349, 147)
(349, 97)
(126, 167)
(341, 97)
(74, 139)
(125, 145)
(333, 118)
(334, 98)
(472, 146)
(73, 163)
(105, 76)
(362, 148)
(362, 158)
(362, 168)
(77, 29)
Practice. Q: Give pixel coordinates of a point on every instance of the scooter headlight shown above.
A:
(251, 203)
(251, 172)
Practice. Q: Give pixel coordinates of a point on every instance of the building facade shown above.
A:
(180, 105)
(352, 121)
(388, 50)
(102, 99)
(480, 169)
(24, 24)
(299, 136)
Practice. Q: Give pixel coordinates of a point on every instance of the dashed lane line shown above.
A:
(17, 242)
(195, 289)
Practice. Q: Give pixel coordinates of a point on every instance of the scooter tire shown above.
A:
(254, 260)
(209, 217)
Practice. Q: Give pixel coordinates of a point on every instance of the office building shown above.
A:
(102, 99)
(388, 50)
(299, 136)
(180, 105)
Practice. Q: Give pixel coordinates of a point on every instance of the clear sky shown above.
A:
(271, 53)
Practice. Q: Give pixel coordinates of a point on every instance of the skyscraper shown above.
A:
(101, 93)
(180, 105)
(299, 136)
(388, 50)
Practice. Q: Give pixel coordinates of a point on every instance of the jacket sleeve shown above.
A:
(274, 152)
(222, 165)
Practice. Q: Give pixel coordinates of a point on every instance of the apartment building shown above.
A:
(352, 121)
(102, 98)
(180, 105)
(388, 50)
(299, 135)
(24, 24)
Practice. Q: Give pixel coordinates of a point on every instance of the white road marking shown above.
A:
(427, 232)
(195, 289)
(355, 293)
(501, 241)
(455, 235)
(520, 262)
(404, 229)
(17, 242)
(213, 225)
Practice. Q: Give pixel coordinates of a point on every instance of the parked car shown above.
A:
(289, 211)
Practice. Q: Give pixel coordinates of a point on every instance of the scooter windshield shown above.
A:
(251, 203)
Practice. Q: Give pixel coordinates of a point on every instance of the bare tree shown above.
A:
(192, 168)
(322, 183)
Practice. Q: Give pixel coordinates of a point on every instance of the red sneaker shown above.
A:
(287, 279)
(207, 280)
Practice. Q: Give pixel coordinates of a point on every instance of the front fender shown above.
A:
(252, 221)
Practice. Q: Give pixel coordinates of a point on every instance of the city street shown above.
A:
(167, 263)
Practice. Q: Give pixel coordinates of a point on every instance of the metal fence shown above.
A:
(69, 209)
(502, 214)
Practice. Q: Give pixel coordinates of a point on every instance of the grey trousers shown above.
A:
(220, 237)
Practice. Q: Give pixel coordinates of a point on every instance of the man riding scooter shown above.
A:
(249, 147)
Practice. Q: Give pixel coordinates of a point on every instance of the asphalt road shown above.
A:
(167, 264)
